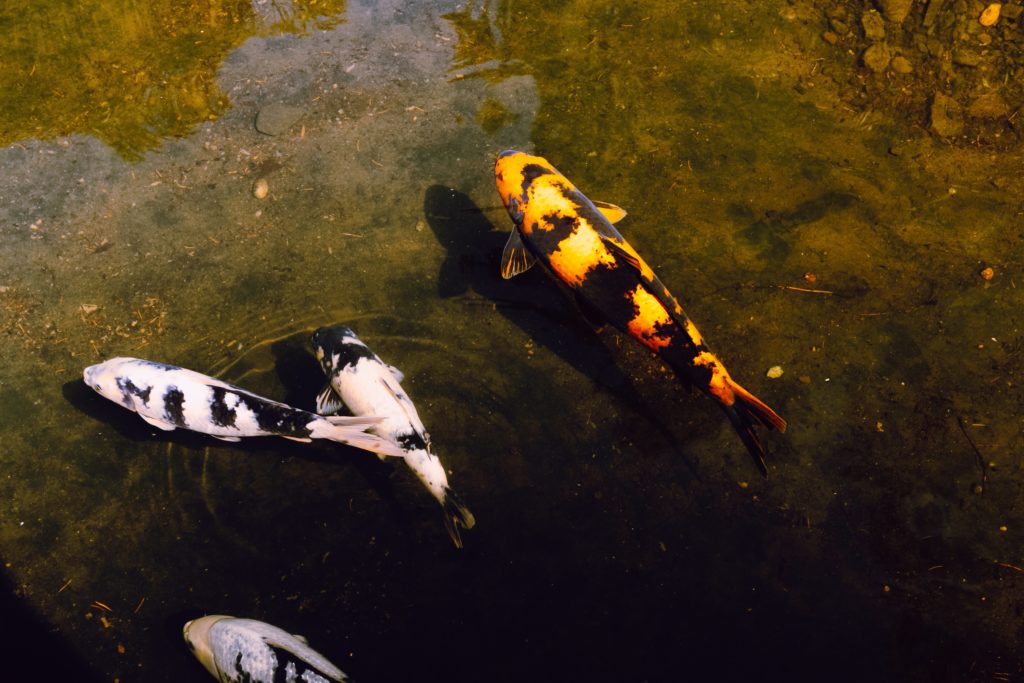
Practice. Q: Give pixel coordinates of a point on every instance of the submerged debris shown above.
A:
(991, 14)
(956, 67)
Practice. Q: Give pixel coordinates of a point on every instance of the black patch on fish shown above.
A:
(562, 226)
(128, 388)
(241, 675)
(411, 441)
(284, 658)
(222, 415)
(533, 171)
(277, 418)
(158, 365)
(174, 406)
(339, 340)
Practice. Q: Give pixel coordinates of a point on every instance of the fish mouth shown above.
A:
(89, 377)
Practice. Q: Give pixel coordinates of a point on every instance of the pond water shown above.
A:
(622, 531)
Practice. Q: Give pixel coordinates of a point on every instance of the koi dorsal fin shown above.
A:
(613, 213)
(516, 258)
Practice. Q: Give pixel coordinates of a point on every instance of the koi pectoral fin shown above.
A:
(159, 424)
(328, 402)
(613, 213)
(516, 258)
(399, 375)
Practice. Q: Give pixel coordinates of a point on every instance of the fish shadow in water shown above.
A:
(771, 230)
(533, 303)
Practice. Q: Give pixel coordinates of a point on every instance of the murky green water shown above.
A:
(130, 74)
(623, 533)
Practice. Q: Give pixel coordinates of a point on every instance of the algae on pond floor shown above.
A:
(132, 74)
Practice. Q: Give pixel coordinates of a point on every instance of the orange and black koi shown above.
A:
(574, 238)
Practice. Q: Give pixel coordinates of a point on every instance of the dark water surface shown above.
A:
(623, 534)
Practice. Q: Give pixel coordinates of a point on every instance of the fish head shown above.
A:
(109, 380)
(336, 346)
(514, 173)
(197, 637)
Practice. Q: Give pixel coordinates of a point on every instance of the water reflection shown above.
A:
(132, 74)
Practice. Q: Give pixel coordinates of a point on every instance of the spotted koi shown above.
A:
(249, 651)
(168, 397)
(360, 382)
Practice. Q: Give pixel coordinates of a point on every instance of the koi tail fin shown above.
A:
(456, 515)
(747, 410)
(351, 431)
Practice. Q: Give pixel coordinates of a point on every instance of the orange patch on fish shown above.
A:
(547, 198)
(691, 329)
(578, 254)
(649, 314)
(719, 385)
(509, 174)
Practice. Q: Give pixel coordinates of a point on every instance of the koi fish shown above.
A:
(359, 380)
(169, 397)
(245, 650)
(573, 237)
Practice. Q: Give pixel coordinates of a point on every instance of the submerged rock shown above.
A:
(876, 57)
(901, 65)
(966, 58)
(946, 118)
(874, 25)
(895, 10)
(991, 105)
(275, 119)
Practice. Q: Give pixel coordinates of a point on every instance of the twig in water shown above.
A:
(977, 453)
(808, 291)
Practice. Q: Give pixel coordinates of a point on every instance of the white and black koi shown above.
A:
(169, 397)
(236, 650)
(358, 379)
